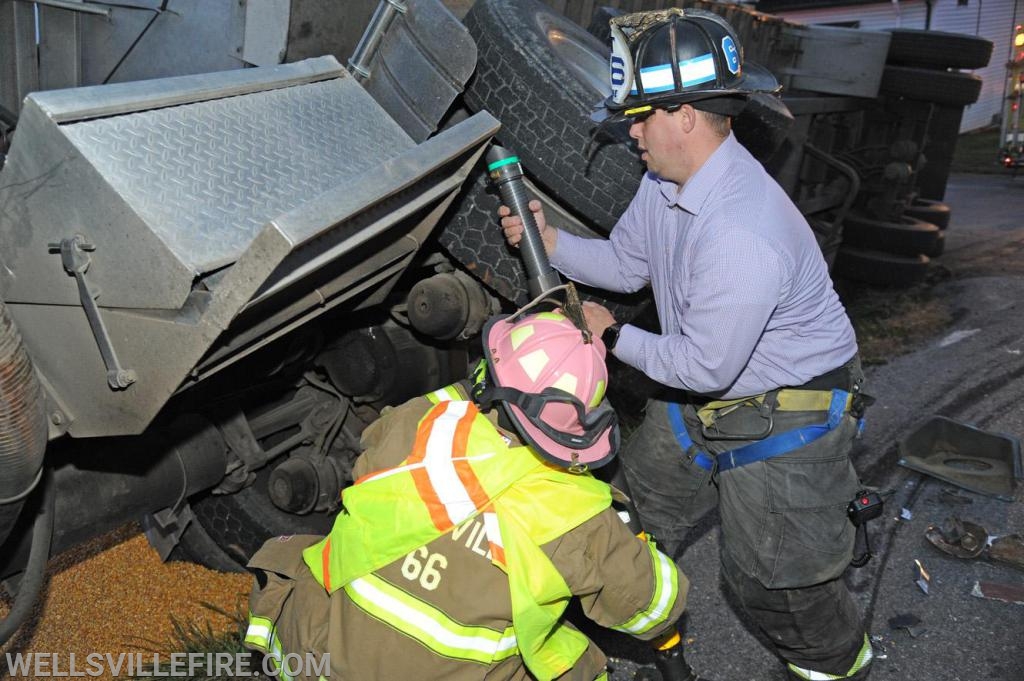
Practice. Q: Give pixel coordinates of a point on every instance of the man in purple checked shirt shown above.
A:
(762, 383)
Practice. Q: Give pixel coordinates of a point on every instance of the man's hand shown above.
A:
(512, 226)
(598, 317)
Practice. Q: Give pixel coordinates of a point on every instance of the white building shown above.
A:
(991, 19)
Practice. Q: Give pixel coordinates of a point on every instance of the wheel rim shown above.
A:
(576, 50)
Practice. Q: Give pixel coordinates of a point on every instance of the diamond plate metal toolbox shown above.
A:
(212, 207)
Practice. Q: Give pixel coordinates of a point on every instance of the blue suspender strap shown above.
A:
(675, 419)
(788, 441)
(763, 449)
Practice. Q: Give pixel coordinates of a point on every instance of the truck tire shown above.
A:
(228, 529)
(909, 236)
(935, 212)
(880, 269)
(940, 246)
(473, 237)
(541, 75)
(762, 125)
(927, 85)
(938, 49)
(598, 26)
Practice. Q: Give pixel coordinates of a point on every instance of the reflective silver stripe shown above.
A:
(446, 394)
(427, 624)
(664, 597)
(864, 658)
(441, 469)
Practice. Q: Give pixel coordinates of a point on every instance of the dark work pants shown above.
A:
(786, 540)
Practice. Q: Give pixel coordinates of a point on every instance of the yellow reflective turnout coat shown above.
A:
(453, 558)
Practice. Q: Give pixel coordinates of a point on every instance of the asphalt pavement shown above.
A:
(970, 373)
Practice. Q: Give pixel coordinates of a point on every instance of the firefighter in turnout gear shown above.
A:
(472, 522)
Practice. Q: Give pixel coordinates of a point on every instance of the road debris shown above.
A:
(1007, 549)
(923, 579)
(951, 496)
(994, 591)
(908, 621)
(965, 456)
(958, 538)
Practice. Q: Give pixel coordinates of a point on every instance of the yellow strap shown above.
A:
(787, 400)
(808, 400)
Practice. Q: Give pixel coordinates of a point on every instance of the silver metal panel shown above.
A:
(422, 64)
(19, 71)
(162, 211)
(49, 192)
(191, 36)
(842, 61)
(65, 106)
(206, 177)
(59, 40)
(316, 27)
(164, 347)
(266, 31)
(315, 248)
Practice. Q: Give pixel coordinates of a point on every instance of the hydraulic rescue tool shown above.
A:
(507, 174)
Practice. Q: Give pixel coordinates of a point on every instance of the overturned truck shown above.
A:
(213, 282)
(202, 277)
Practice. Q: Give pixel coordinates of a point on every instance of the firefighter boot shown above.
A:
(861, 675)
(669, 662)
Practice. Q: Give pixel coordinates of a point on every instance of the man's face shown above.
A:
(660, 140)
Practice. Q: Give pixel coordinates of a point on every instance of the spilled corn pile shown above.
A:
(114, 595)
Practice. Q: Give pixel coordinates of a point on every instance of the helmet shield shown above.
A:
(678, 56)
(551, 386)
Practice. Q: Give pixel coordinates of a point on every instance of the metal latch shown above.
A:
(75, 259)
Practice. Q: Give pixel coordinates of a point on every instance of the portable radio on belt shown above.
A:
(865, 506)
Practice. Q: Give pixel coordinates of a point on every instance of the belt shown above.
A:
(840, 377)
(814, 395)
(838, 404)
(787, 399)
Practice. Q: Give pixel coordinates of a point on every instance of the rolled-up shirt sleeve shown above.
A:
(618, 263)
(735, 282)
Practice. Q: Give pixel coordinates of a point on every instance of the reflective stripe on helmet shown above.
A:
(666, 590)
(520, 334)
(863, 659)
(659, 78)
(620, 66)
(429, 625)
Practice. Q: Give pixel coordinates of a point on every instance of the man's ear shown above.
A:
(687, 117)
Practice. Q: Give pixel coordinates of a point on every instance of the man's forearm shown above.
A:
(593, 262)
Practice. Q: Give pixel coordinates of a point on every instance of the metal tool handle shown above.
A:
(507, 174)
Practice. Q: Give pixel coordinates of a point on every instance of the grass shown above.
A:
(890, 322)
(192, 637)
(977, 152)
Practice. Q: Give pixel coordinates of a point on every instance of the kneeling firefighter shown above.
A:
(469, 528)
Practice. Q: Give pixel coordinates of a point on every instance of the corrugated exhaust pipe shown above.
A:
(23, 429)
